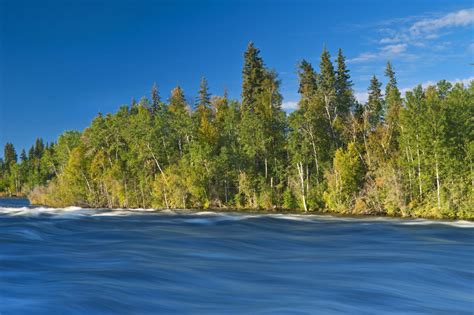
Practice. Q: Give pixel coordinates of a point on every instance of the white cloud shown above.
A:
(394, 49)
(363, 57)
(394, 39)
(420, 32)
(428, 26)
(384, 52)
(290, 105)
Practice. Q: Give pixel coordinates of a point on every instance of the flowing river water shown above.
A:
(85, 261)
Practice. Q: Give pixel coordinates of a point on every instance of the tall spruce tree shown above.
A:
(344, 94)
(374, 106)
(308, 86)
(23, 156)
(155, 99)
(253, 74)
(9, 155)
(393, 104)
(203, 103)
(327, 93)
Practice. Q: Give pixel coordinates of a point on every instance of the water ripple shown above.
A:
(145, 261)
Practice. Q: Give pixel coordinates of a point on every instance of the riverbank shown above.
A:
(5, 195)
(411, 215)
(21, 206)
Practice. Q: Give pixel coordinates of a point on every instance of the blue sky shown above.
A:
(63, 61)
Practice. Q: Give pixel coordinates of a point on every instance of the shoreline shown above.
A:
(263, 211)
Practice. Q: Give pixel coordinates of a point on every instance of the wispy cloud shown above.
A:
(428, 27)
(394, 49)
(421, 32)
(385, 52)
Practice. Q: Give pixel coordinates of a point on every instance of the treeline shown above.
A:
(408, 156)
(20, 175)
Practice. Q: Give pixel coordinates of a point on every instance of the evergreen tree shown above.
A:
(156, 99)
(177, 101)
(9, 155)
(373, 107)
(203, 103)
(327, 85)
(261, 130)
(328, 96)
(308, 85)
(253, 74)
(393, 104)
(39, 148)
(23, 156)
(343, 84)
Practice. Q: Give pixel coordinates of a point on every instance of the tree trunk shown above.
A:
(162, 174)
(437, 182)
(315, 157)
(409, 173)
(266, 168)
(299, 166)
(419, 168)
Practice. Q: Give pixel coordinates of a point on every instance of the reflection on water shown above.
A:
(72, 260)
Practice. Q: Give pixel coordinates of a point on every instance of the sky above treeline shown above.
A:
(62, 62)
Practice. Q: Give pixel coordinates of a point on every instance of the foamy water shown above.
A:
(72, 212)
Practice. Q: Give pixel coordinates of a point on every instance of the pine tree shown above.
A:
(39, 148)
(23, 156)
(344, 93)
(327, 93)
(177, 101)
(253, 74)
(327, 84)
(373, 107)
(308, 85)
(392, 81)
(262, 126)
(203, 103)
(31, 153)
(133, 106)
(393, 104)
(9, 155)
(156, 99)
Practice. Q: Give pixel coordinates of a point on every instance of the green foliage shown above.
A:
(410, 156)
(344, 180)
(289, 200)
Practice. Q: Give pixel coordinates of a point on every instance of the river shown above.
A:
(84, 261)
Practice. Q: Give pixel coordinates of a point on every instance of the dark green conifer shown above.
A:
(253, 75)
(373, 107)
(9, 154)
(344, 93)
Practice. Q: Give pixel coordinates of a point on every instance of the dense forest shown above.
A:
(395, 155)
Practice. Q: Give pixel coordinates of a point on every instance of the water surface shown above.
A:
(83, 261)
